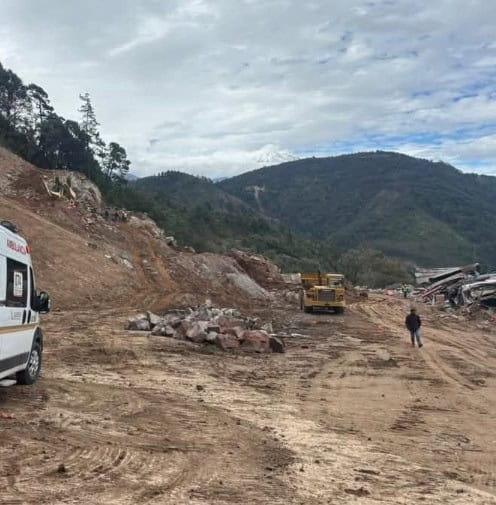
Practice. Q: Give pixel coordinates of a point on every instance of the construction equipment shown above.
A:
(322, 292)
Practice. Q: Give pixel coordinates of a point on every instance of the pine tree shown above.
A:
(89, 125)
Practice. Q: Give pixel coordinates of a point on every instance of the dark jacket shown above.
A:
(413, 322)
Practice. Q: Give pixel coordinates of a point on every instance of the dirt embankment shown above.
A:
(86, 258)
(351, 413)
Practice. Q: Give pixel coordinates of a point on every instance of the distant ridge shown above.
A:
(419, 210)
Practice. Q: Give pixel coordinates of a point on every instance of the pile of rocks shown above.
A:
(225, 328)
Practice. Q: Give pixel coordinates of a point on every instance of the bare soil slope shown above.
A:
(82, 258)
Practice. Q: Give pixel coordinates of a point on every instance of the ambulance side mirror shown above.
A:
(42, 303)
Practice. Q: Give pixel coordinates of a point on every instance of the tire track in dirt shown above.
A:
(460, 370)
(93, 457)
(393, 322)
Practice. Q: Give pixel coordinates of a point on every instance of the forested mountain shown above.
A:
(409, 208)
(200, 213)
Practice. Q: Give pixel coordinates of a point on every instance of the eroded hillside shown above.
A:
(87, 253)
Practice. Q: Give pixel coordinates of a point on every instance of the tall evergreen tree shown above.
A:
(89, 125)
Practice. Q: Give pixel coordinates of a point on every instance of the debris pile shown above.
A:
(226, 328)
(459, 286)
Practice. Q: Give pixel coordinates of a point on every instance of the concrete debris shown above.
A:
(226, 328)
(460, 286)
(426, 276)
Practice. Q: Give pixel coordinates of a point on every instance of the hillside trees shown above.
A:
(40, 108)
(115, 162)
(30, 127)
(13, 97)
(409, 208)
(89, 125)
(368, 267)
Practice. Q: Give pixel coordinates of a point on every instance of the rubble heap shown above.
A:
(460, 285)
(225, 328)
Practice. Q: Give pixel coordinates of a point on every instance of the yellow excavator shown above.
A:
(322, 292)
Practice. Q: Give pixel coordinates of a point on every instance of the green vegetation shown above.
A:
(367, 267)
(199, 213)
(30, 128)
(409, 208)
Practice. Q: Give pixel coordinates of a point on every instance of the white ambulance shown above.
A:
(21, 339)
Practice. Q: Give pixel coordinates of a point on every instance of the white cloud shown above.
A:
(215, 86)
(149, 30)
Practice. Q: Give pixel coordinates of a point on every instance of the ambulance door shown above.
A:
(3, 308)
(17, 333)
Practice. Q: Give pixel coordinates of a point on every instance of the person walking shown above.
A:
(413, 323)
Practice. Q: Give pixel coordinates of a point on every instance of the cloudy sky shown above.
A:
(217, 87)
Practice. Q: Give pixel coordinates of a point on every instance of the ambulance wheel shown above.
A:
(308, 310)
(29, 375)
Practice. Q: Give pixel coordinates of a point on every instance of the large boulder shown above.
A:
(227, 342)
(255, 341)
(154, 319)
(164, 330)
(212, 327)
(226, 322)
(197, 332)
(139, 322)
(212, 337)
(237, 331)
(172, 320)
(184, 327)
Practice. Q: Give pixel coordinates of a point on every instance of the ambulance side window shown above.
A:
(17, 284)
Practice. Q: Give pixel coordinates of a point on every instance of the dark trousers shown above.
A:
(415, 336)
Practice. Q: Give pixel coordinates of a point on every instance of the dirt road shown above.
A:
(351, 413)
